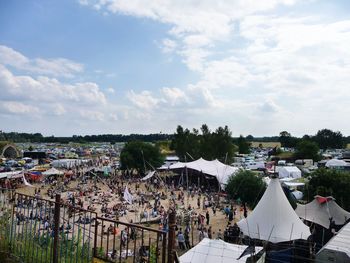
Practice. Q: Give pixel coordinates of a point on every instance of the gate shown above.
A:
(39, 230)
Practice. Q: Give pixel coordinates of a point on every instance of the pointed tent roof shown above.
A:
(213, 250)
(321, 209)
(274, 219)
(214, 168)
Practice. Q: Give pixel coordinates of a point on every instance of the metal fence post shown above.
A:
(171, 239)
(56, 228)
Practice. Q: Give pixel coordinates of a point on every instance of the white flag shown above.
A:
(26, 182)
(127, 196)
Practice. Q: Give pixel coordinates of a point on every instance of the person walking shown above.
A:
(207, 216)
(181, 240)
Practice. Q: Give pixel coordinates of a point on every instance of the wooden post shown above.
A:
(171, 239)
(56, 228)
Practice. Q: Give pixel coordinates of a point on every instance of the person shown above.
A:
(219, 234)
(230, 216)
(210, 235)
(187, 240)
(198, 202)
(207, 216)
(201, 235)
(181, 239)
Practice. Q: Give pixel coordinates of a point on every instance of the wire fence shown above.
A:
(40, 230)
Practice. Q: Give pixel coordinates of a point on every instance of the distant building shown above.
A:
(8, 150)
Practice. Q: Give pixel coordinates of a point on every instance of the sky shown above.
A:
(133, 66)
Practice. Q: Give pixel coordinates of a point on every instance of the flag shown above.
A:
(127, 196)
(26, 182)
(249, 250)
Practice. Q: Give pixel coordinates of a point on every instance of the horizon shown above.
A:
(142, 67)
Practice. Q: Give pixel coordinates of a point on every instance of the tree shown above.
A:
(138, 155)
(207, 144)
(246, 186)
(243, 145)
(287, 140)
(307, 150)
(328, 139)
(329, 182)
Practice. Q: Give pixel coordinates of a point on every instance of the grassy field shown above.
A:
(266, 144)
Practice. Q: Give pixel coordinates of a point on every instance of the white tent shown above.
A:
(274, 219)
(335, 163)
(214, 250)
(52, 171)
(289, 171)
(214, 168)
(11, 175)
(321, 209)
(337, 249)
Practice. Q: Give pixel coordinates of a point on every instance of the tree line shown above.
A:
(111, 138)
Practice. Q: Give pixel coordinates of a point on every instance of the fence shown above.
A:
(39, 230)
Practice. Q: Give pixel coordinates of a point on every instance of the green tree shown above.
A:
(243, 145)
(207, 144)
(307, 150)
(328, 139)
(246, 186)
(287, 140)
(138, 155)
(329, 182)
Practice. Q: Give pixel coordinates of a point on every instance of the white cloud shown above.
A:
(48, 89)
(168, 45)
(174, 96)
(18, 108)
(53, 67)
(110, 90)
(144, 100)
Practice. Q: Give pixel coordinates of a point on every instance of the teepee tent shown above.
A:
(337, 249)
(214, 250)
(321, 210)
(274, 219)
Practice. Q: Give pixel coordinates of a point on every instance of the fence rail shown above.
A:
(40, 230)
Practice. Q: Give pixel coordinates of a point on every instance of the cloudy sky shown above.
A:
(133, 66)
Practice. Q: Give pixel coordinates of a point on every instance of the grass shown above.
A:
(266, 144)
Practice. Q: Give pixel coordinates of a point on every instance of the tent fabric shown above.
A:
(148, 176)
(321, 212)
(289, 171)
(336, 163)
(214, 168)
(215, 250)
(52, 171)
(337, 249)
(274, 219)
(11, 175)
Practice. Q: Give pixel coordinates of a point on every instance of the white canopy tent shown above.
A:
(289, 171)
(214, 250)
(53, 171)
(337, 249)
(335, 163)
(321, 209)
(274, 219)
(11, 175)
(214, 168)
